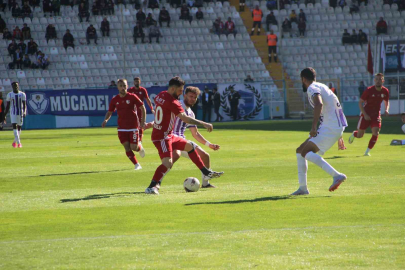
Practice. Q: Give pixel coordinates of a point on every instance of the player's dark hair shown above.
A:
(308, 73)
(15, 86)
(176, 81)
(137, 79)
(379, 74)
(193, 89)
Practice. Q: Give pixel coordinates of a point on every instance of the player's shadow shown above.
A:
(263, 199)
(73, 173)
(101, 196)
(335, 157)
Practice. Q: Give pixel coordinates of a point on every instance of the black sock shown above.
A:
(152, 184)
(205, 171)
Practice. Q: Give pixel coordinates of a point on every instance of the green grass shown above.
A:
(70, 200)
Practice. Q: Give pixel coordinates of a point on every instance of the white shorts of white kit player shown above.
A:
(185, 153)
(326, 138)
(17, 119)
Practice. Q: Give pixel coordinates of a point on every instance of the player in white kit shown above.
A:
(329, 112)
(16, 104)
(190, 98)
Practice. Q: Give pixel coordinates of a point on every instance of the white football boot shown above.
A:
(300, 192)
(153, 191)
(337, 180)
(138, 167)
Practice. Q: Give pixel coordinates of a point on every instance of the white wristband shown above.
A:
(207, 143)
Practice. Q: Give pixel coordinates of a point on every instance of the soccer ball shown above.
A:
(403, 128)
(191, 184)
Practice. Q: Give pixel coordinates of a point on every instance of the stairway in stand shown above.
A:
(294, 99)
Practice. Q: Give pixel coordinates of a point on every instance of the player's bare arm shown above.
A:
(107, 117)
(387, 107)
(143, 116)
(317, 99)
(363, 111)
(150, 105)
(200, 138)
(24, 108)
(193, 121)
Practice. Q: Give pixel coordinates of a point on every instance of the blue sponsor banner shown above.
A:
(81, 102)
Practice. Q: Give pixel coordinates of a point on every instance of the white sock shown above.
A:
(318, 160)
(19, 135)
(204, 182)
(368, 150)
(302, 171)
(16, 136)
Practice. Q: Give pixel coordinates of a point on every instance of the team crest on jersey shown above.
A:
(128, 101)
(38, 102)
(250, 103)
(382, 95)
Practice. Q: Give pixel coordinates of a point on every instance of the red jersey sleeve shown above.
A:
(175, 107)
(137, 101)
(365, 94)
(111, 108)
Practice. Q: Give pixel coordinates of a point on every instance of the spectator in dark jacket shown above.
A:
(2, 25)
(362, 87)
(17, 34)
(17, 58)
(164, 16)
(138, 32)
(110, 7)
(149, 20)
(22, 46)
(50, 33)
(16, 11)
(302, 26)
(154, 32)
(354, 36)
(95, 9)
(141, 17)
(218, 26)
(286, 26)
(91, 33)
(362, 37)
(26, 11)
(68, 40)
(199, 14)
(185, 14)
(83, 12)
(346, 38)
(217, 103)
(270, 19)
(27, 61)
(105, 27)
(3, 5)
(32, 47)
(153, 4)
(233, 98)
(26, 32)
(381, 26)
(12, 47)
(302, 15)
(206, 98)
(56, 7)
(7, 34)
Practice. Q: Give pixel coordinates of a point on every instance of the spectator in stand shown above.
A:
(381, 26)
(2, 24)
(199, 14)
(2, 6)
(286, 26)
(270, 19)
(141, 17)
(218, 26)
(16, 11)
(7, 34)
(354, 37)
(91, 33)
(32, 47)
(112, 85)
(230, 27)
(257, 16)
(138, 32)
(293, 17)
(302, 15)
(217, 103)
(164, 16)
(272, 45)
(333, 89)
(362, 88)
(17, 34)
(12, 47)
(44, 61)
(153, 4)
(154, 32)
(149, 20)
(233, 98)
(354, 8)
(26, 11)
(185, 14)
(242, 5)
(302, 26)
(249, 79)
(362, 37)
(22, 46)
(365, 2)
(110, 7)
(199, 3)
(27, 61)
(50, 33)
(47, 7)
(83, 12)
(56, 7)
(95, 9)
(26, 32)
(206, 99)
(271, 4)
(401, 5)
(17, 58)
(11, 4)
(105, 27)
(34, 3)
(342, 3)
(346, 38)
(68, 40)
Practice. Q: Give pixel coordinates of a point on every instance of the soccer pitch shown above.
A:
(70, 199)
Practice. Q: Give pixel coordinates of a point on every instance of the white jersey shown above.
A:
(332, 115)
(16, 102)
(179, 125)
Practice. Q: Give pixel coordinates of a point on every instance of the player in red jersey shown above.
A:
(168, 108)
(370, 112)
(126, 105)
(142, 94)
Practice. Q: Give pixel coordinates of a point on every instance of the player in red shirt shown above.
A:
(142, 94)
(370, 112)
(168, 108)
(126, 105)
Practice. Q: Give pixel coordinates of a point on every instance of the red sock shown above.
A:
(355, 133)
(140, 132)
(372, 142)
(132, 157)
(195, 157)
(160, 173)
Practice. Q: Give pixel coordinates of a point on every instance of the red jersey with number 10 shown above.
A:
(373, 99)
(126, 110)
(166, 110)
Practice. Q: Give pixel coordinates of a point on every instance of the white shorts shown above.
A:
(17, 119)
(326, 138)
(185, 153)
